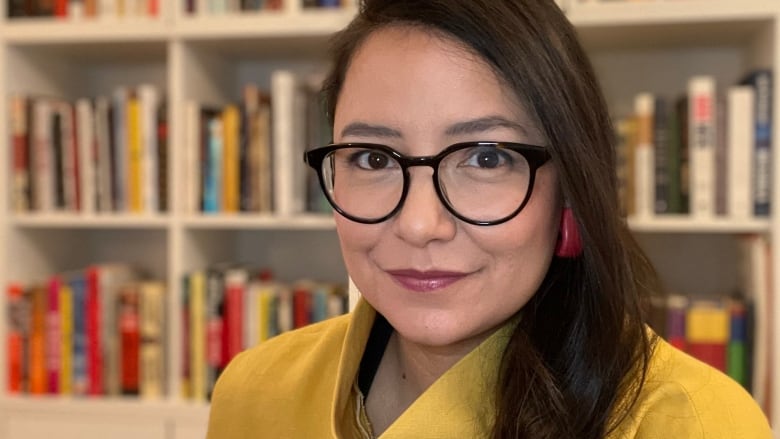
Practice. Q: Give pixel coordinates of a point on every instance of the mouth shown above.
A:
(425, 281)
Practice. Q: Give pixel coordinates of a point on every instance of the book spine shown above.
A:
(120, 149)
(149, 105)
(53, 336)
(701, 91)
(198, 335)
(38, 374)
(212, 185)
(15, 338)
(152, 353)
(761, 81)
(661, 155)
(288, 184)
(66, 339)
(644, 155)
(677, 307)
(93, 330)
(740, 147)
(736, 358)
(80, 376)
(20, 144)
(707, 332)
(230, 159)
(235, 285)
(136, 156)
(129, 335)
(87, 156)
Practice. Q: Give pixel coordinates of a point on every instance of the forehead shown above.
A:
(408, 67)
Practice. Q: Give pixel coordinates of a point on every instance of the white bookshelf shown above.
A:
(634, 46)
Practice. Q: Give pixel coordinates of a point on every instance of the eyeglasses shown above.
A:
(481, 183)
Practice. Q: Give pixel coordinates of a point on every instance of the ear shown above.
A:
(569, 243)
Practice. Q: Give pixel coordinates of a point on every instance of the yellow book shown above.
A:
(230, 137)
(707, 322)
(198, 336)
(265, 311)
(66, 335)
(135, 155)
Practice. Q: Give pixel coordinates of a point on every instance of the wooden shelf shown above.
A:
(260, 222)
(91, 221)
(687, 224)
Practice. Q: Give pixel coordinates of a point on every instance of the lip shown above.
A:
(425, 281)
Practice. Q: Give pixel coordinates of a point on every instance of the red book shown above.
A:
(38, 380)
(713, 354)
(53, 342)
(301, 306)
(61, 8)
(235, 283)
(128, 318)
(94, 339)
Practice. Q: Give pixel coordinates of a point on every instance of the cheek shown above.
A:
(356, 240)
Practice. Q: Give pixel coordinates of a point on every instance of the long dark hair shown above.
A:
(576, 362)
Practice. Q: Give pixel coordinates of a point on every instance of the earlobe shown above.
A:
(569, 243)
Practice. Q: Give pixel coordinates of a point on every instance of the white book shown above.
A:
(741, 135)
(149, 100)
(85, 127)
(644, 156)
(42, 156)
(251, 316)
(192, 159)
(288, 117)
(105, 197)
(701, 141)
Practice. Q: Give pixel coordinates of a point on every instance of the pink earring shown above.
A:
(569, 243)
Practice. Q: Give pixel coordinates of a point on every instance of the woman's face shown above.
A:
(440, 282)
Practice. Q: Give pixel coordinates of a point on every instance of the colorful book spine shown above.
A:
(129, 335)
(737, 350)
(152, 352)
(707, 332)
(53, 336)
(80, 377)
(66, 340)
(761, 81)
(676, 325)
(701, 114)
(231, 175)
(15, 338)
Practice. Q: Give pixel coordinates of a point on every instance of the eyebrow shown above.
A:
(362, 129)
(482, 124)
(474, 126)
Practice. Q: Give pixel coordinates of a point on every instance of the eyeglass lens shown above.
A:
(481, 183)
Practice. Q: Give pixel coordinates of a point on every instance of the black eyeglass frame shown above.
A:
(535, 155)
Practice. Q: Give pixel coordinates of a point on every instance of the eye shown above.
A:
(487, 158)
(372, 160)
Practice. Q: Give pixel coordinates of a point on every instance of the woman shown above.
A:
(473, 178)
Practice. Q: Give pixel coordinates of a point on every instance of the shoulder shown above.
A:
(281, 356)
(684, 397)
(271, 385)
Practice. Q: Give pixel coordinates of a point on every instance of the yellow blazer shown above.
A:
(301, 384)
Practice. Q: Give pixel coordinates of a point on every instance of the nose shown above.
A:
(423, 218)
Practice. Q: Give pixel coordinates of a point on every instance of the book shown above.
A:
(21, 154)
(741, 133)
(288, 110)
(128, 321)
(707, 332)
(701, 115)
(18, 322)
(644, 152)
(152, 340)
(761, 81)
